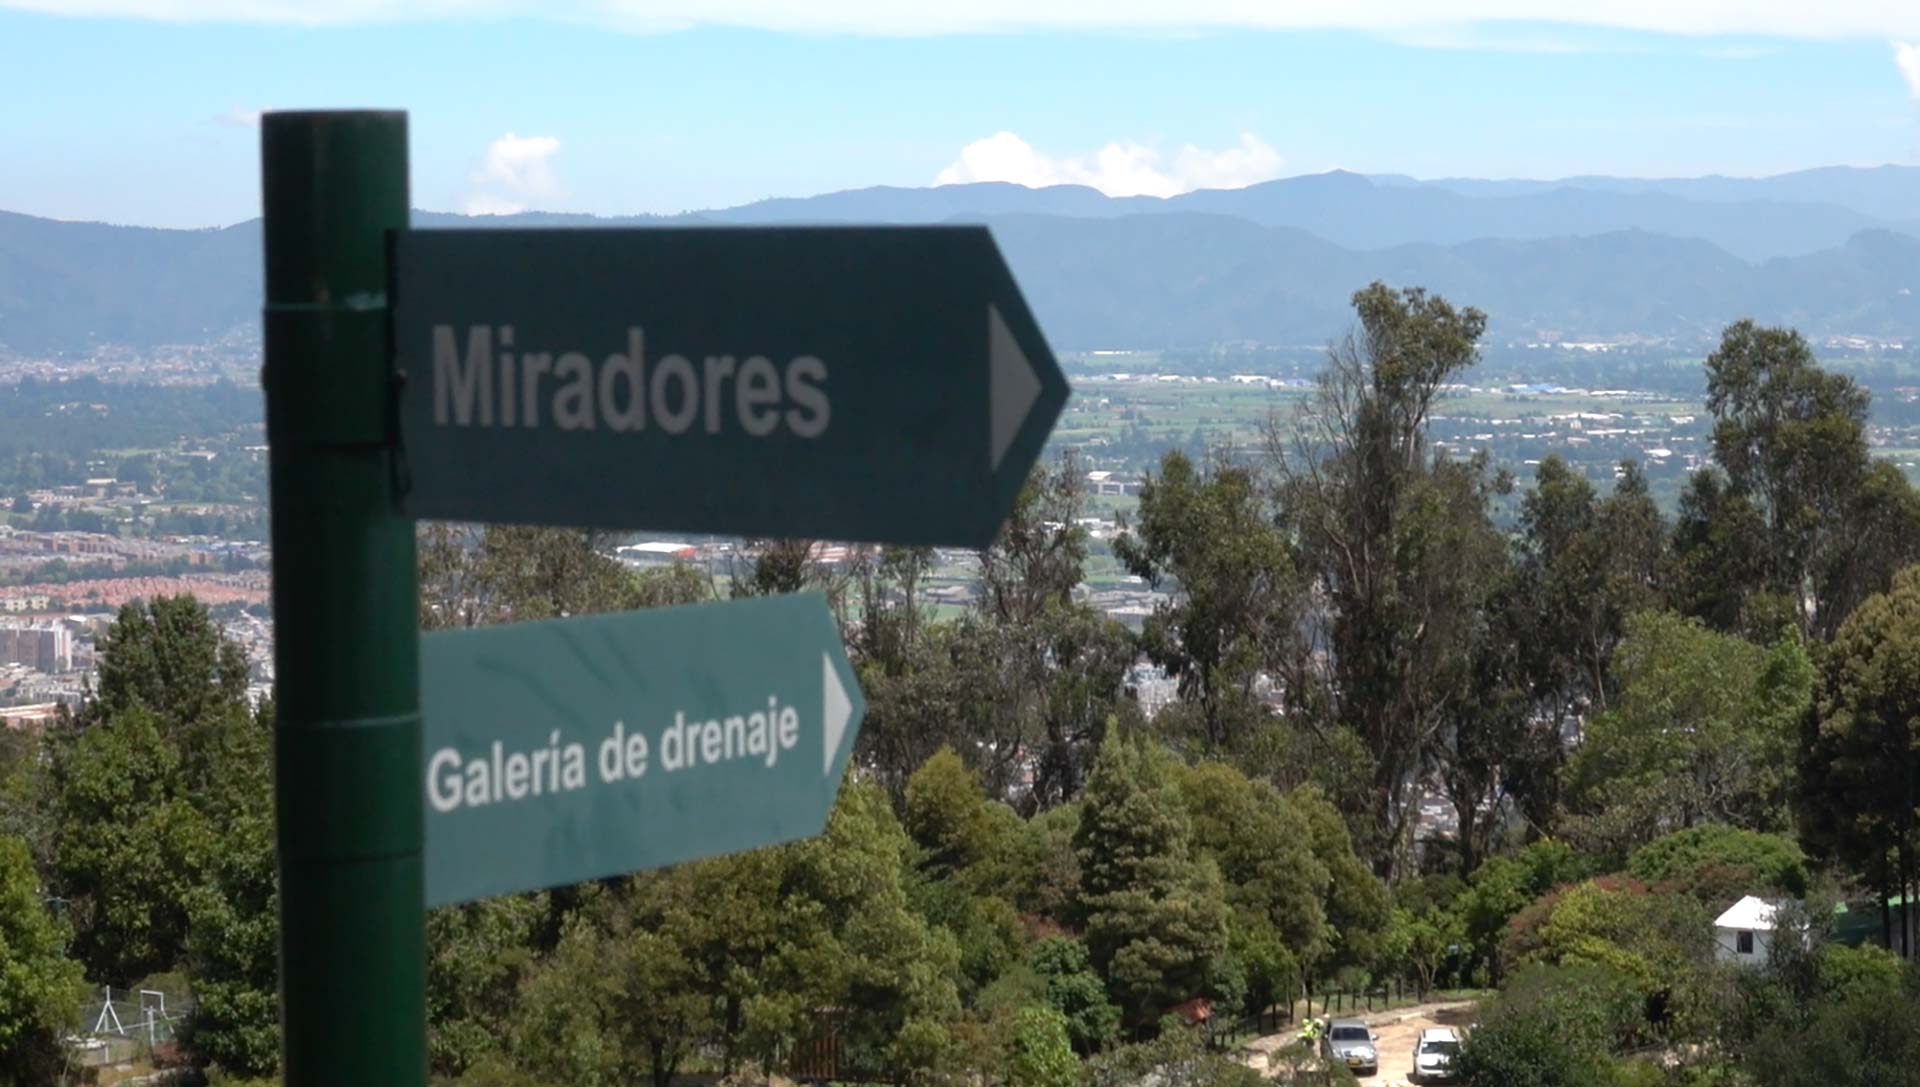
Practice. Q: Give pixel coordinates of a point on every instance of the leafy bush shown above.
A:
(1177, 1058)
(1774, 859)
(1300, 1067)
(1656, 939)
(1532, 1048)
(40, 989)
(1849, 973)
(1039, 1054)
(1869, 1041)
(1076, 992)
(1554, 1027)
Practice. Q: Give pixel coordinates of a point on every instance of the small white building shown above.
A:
(1744, 932)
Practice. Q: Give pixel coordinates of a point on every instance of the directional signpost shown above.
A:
(849, 383)
(882, 384)
(574, 749)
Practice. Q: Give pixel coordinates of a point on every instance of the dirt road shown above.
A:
(1397, 1031)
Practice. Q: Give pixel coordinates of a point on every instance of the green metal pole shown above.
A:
(346, 643)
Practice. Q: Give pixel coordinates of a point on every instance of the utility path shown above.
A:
(1397, 1030)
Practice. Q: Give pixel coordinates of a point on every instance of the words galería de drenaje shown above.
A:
(623, 756)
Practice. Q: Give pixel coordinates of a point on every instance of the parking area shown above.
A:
(1397, 1031)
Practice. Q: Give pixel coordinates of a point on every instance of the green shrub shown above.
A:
(1076, 992)
(1039, 1054)
(1687, 857)
(1176, 1058)
(1554, 1027)
(1869, 1041)
(1847, 973)
(1532, 1048)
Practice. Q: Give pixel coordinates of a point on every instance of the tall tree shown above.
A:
(478, 956)
(1155, 916)
(1025, 683)
(1859, 801)
(1702, 729)
(131, 846)
(1719, 555)
(1586, 564)
(1357, 907)
(774, 567)
(1081, 659)
(1792, 438)
(1068, 660)
(1396, 538)
(168, 655)
(950, 819)
(956, 685)
(1494, 750)
(1039, 557)
(1265, 851)
(40, 988)
(1882, 535)
(1210, 533)
(1805, 526)
(501, 573)
(891, 612)
(233, 916)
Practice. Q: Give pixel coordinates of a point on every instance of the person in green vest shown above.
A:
(1310, 1033)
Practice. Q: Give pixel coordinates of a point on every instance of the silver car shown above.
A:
(1349, 1042)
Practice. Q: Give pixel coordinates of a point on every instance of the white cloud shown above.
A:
(1781, 18)
(516, 172)
(1907, 56)
(238, 117)
(1249, 163)
(1121, 168)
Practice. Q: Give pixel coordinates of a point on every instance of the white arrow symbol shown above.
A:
(837, 710)
(1012, 385)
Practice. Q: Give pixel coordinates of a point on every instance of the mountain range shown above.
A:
(1831, 251)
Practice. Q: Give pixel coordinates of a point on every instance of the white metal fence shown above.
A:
(125, 1025)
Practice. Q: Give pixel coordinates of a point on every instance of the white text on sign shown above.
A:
(488, 383)
(456, 780)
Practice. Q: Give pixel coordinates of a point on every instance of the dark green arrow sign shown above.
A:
(855, 383)
(574, 749)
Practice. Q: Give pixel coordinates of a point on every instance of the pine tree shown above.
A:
(1155, 916)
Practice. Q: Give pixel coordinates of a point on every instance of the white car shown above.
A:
(1434, 1054)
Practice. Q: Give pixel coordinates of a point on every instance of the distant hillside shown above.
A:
(1164, 281)
(1753, 219)
(1134, 273)
(1888, 192)
(70, 286)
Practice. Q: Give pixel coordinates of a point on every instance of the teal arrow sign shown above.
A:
(574, 749)
(853, 383)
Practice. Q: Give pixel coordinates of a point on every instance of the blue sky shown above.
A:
(130, 118)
